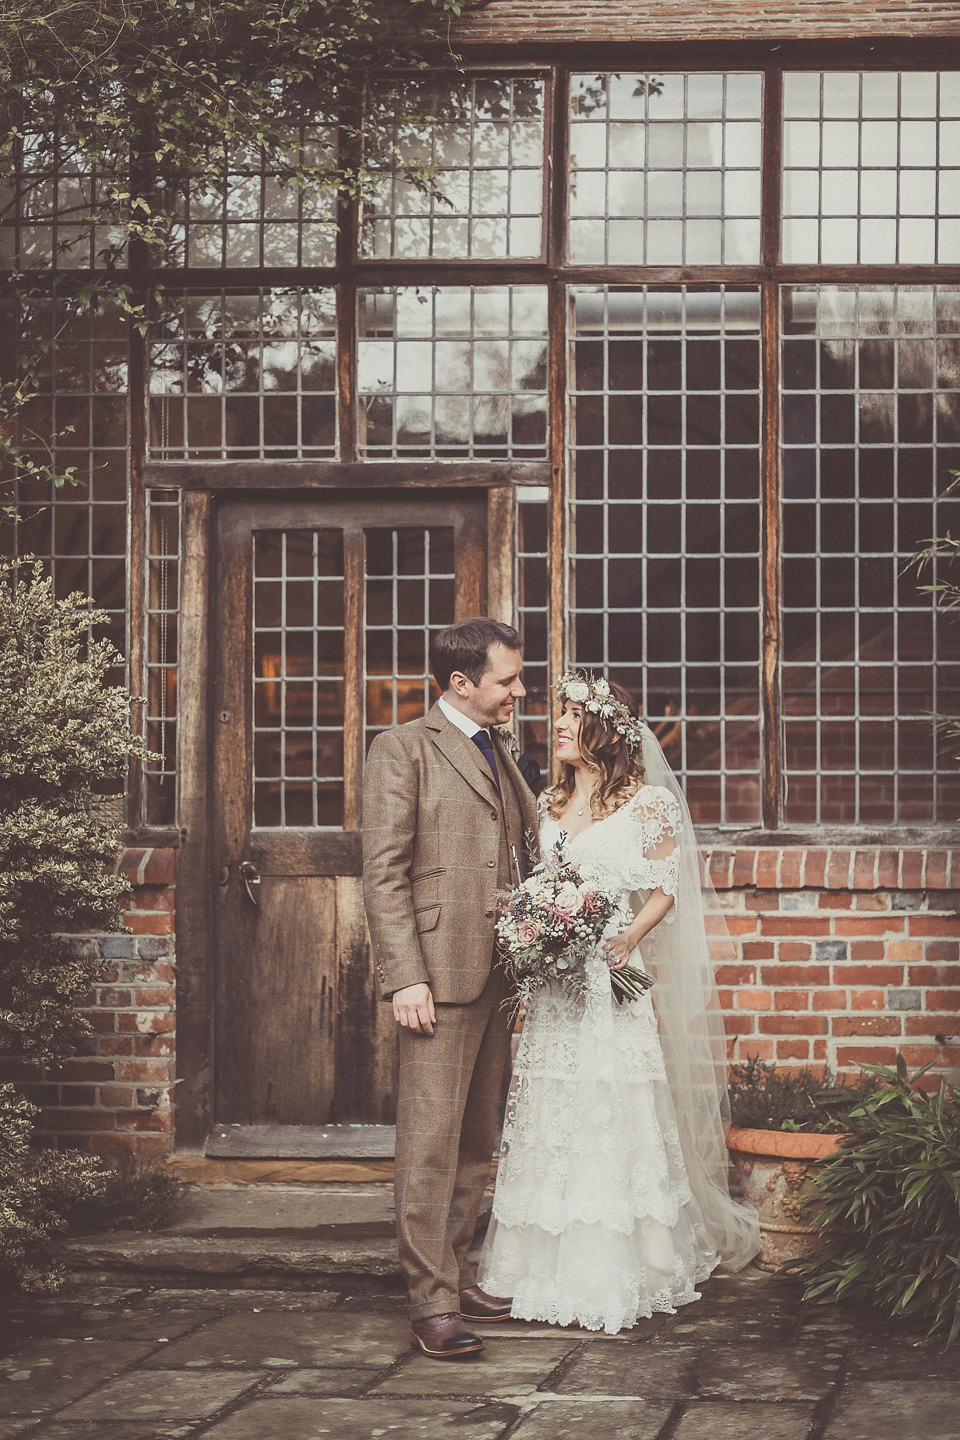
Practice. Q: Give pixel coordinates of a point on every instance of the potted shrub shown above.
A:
(889, 1206)
(785, 1125)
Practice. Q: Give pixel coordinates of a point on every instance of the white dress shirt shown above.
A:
(462, 722)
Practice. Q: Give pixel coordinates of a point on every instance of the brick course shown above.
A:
(812, 981)
(886, 970)
(519, 22)
(115, 1097)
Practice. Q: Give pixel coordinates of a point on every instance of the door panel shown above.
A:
(323, 615)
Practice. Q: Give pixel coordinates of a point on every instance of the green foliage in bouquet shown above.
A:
(763, 1097)
(891, 1198)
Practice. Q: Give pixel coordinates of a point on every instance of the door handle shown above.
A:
(250, 876)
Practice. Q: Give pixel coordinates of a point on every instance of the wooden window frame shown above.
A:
(350, 273)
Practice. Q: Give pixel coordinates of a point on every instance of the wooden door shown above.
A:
(321, 622)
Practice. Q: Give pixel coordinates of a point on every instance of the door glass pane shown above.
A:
(665, 524)
(665, 169)
(409, 594)
(871, 168)
(871, 431)
(298, 677)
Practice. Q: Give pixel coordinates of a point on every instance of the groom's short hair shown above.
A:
(465, 646)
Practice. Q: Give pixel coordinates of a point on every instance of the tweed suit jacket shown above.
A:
(433, 854)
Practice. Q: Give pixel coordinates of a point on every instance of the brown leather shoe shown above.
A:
(444, 1337)
(483, 1309)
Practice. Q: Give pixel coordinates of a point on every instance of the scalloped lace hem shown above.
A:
(530, 1306)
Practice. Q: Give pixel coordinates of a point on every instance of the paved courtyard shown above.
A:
(137, 1363)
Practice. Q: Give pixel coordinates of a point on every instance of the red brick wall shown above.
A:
(115, 1095)
(551, 21)
(844, 956)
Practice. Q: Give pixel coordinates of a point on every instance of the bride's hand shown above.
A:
(617, 951)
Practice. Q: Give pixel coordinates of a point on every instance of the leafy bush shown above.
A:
(891, 1197)
(64, 738)
(38, 1192)
(763, 1097)
(137, 1195)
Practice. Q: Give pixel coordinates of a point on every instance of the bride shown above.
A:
(611, 1199)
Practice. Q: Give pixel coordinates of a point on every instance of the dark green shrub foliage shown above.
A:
(64, 735)
(763, 1097)
(891, 1217)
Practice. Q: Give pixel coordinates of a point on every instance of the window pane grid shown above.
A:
(409, 595)
(249, 376)
(483, 139)
(453, 373)
(57, 212)
(665, 169)
(665, 523)
(298, 677)
(871, 430)
(534, 711)
(77, 421)
(254, 217)
(162, 592)
(871, 168)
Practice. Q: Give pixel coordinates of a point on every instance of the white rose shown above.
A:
(578, 692)
(567, 899)
(601, 687)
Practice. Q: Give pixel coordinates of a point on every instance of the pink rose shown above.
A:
(529, 932)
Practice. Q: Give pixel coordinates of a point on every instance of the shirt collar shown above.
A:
(456, 717)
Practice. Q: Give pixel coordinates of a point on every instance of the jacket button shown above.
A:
(488, 913)
(491, 864)
(494, 815)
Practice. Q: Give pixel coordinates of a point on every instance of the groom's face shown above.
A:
(492, 702)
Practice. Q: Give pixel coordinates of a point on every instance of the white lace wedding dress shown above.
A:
(593, 1218)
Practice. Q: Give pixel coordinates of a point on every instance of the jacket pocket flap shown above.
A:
(426, 917)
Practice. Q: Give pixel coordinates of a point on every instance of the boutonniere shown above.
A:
(509, 740)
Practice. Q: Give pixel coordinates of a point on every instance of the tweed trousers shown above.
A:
(447, 1112)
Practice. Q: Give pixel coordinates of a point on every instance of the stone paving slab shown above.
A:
(887, 1361)
(314, 1210)
(673, 1371)
(593, 1418)
(345, 1381)
(897, 1410)
(276, 1340)
(512, 1368)
(303, 1419)
(170, 1395)
(720, 1420)
(47, 1374)
(96, 1323)
(109, 1430)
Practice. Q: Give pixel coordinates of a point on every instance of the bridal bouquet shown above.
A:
(549, 924)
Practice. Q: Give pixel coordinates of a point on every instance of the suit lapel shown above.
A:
(462, 754)
(525, 796)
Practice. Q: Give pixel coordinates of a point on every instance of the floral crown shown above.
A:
(595, 695)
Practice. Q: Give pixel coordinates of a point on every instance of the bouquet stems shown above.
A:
(629, 983)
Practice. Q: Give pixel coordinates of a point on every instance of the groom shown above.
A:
(445, 812)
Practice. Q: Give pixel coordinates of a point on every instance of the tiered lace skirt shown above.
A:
(593, 1221)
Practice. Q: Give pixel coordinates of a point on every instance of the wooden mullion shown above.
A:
(557, 621)
(137, 577)
(354, 699)
(771, 605)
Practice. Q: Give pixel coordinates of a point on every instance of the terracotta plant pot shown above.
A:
(779, 1171)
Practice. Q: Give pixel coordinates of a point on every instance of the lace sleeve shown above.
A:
(656, 863)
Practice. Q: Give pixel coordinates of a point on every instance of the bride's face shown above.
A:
(567, 726)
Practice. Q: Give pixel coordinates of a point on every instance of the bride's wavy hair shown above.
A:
(618, 769)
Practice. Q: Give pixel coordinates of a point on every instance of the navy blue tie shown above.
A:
(485, 744)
